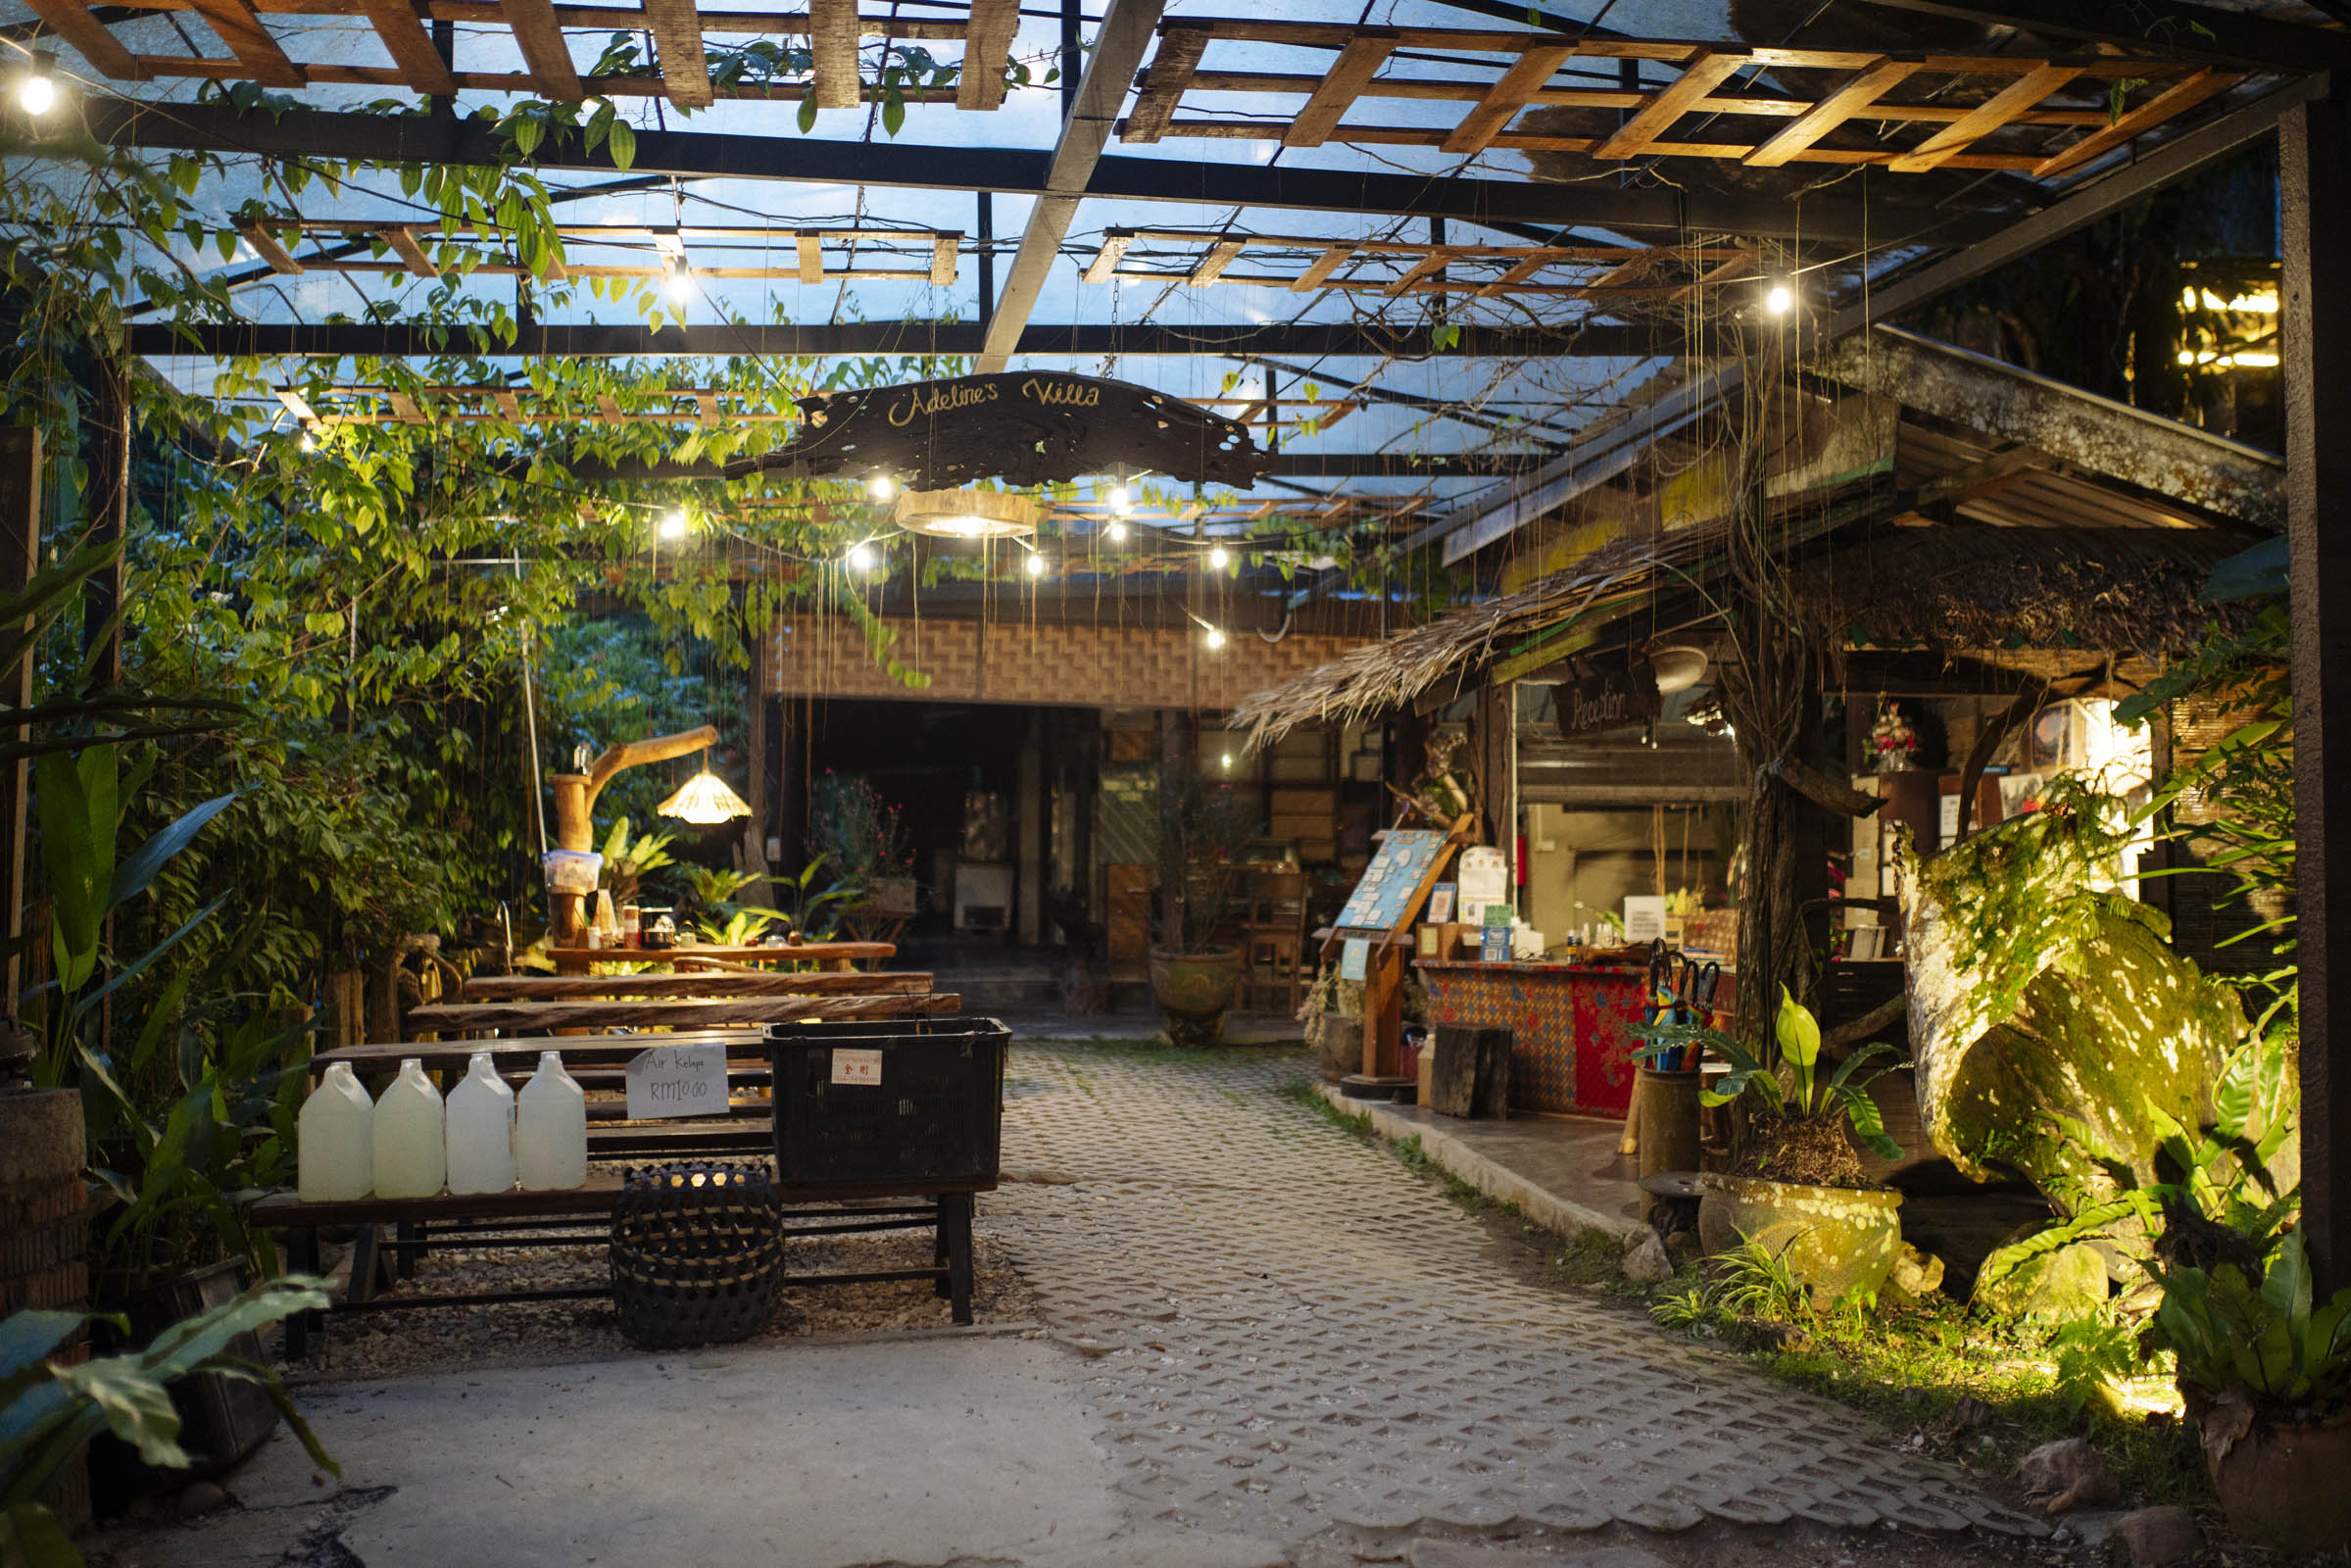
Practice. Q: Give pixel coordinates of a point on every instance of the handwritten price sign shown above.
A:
(677, 1081)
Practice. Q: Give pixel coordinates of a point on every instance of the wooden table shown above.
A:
(837, 956)
(690, 1013)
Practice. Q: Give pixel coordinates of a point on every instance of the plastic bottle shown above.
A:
(336, 1159)
(409, 1134)
(551, 1136)
(481, 1130)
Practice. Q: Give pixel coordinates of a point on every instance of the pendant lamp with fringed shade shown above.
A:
(704, 799)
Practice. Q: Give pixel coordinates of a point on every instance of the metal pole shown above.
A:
(986, 225)
(2315, 165)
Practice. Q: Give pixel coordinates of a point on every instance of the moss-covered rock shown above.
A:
(2068, 1283)
(2055, 1033)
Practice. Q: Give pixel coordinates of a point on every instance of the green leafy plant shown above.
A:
(1752, 1281)
(1788, 1088)
(627, 860)
(2246, 1323)
(862, 836)
(809, 910)
(2091, 1354)
(51, 1408)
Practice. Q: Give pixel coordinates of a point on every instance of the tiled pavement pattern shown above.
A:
(1287, 1330)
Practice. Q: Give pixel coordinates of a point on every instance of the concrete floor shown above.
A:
(1563, 1171)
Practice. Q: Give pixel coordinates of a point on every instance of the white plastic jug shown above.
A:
(551, 1134)
(481, 1130)
(409, 1133)
(336, 1143)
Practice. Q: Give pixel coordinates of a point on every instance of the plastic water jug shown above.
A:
(481, 1130)
(550, 1135)
(337, 1140)
(409, 1136)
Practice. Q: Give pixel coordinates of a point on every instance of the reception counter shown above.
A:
(1571, 1025)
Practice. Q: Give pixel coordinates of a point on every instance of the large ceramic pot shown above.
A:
(1838, 1240)
(2282, 1484)
(1194, 991)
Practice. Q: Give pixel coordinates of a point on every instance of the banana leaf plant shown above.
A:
(51, 1408)
(1791, 1088)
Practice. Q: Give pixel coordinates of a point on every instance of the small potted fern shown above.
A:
(1796, 1185)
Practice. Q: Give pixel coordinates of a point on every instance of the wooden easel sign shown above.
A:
(1387, 900)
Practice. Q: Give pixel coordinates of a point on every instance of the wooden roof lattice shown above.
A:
(1959, 112)
(1398, 266)
(402, 247)
(682, 34)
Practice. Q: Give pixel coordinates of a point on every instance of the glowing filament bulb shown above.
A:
(881, 487)
(1218, 559)
(860, 558)
(37, 93)
(1215, 638)
(1036, 564)
(1117, 532)
(1781, 300)
(673, 525)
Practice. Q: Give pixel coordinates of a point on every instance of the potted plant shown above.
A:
(865, 839)
(1196, 965)
(2264, 1369)
(1796, 1185)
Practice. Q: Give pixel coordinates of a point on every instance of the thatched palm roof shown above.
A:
(1382, 676)
(2132, 590)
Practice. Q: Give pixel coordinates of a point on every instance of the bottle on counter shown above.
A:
(481, 1130)
(335, 1140)
(409, 1136)
(550, 1132)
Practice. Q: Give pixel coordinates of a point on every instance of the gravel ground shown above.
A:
(547, 1333)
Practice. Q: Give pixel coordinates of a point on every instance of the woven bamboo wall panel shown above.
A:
(999, 662)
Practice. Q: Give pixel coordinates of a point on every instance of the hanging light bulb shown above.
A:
(1116, 533)
(881, 487)
(673, 525)
(310, 441)
(681, 281)
(36, 94)
(705, 800)
(1218, 560)
(860, 558)
(1122, 499)
(1227, 760)
(1036, 564)
(1781, 300)
(1215, 638)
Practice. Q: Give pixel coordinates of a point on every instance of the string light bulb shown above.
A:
(673, 525)
(1215, 637)
(1117, 532)
(36, 94)
(1218, 559)
(881, 487)
(1781, 300)
(681, 281)
(1122, 500)
(1227, 760)
(1036, 564)
(860, 558)
(310, 442)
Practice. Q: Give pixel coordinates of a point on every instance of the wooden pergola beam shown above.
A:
(540, 37)
(1505, 98)
(411, 47)
(1357, 64)
(255, 49)
(1160, 89)
(1847, 102)
(987, 47)
(266, 246)
(1989, 116)
(411, 251)
(71, 21)
(833, 38)
(677, 41)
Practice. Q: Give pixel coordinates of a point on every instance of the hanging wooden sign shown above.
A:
(1024, 427)
(1606, 695)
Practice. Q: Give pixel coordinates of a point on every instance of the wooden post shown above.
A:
(1384, 1009)
(20, 558)
(2314, 165)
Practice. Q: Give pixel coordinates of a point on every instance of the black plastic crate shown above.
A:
(934, 1114)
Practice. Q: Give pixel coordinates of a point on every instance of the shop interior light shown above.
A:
(36, 94)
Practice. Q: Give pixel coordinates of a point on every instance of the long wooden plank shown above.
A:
(71, 21)
(285, 1210)
(1845, 103)
(411, 251)
(745, 1043)
(1321, 268)
(1506, 97)
(796, 953)
(677, 41)
(943, 258)
(570, 986)
(833, 35)
(266, 246)
(255, 49)
(411, 47)
(540, 37)
(1350, 76)
(1986, 118)
(980, 84)
(2175, 99)
(1162, 84)
(1106, 261)
(680, 1013)
(811, 255)
(1670, 103)
(1211, 267)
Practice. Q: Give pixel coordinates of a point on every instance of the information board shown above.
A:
(1382, 898)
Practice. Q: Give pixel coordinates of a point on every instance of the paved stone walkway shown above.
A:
(1288, 1330)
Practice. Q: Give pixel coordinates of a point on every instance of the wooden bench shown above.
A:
(582, 1217)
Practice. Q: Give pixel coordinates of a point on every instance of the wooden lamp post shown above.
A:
(575, 803)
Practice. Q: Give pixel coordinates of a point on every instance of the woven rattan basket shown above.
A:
(698, 1253)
